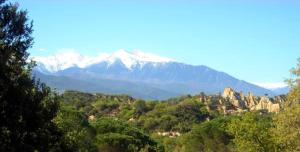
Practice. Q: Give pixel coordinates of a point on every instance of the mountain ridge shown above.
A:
(148, 73)
(62, 61)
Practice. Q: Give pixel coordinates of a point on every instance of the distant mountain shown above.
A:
(137, 90)
(277, 88)
(137, 74)
(281, 90)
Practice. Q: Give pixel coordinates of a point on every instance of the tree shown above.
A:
(27, 107)
(287, 122)
(251, 132)
(114, 135)
(78, 134)
(207, 136)
(294, 84)
(140, 107)
(287, 129)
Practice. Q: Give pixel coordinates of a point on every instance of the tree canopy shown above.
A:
(27, 107)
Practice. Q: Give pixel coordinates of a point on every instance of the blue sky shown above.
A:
(251, 40)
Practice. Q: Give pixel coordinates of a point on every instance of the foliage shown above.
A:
(172, 116)
(208, 136)
(294, 84)
(26, 106)
(287, 122)
(140, 107)
(117, 117)
(78, 134)
(122, 137)
(287, 129)
(251, 132)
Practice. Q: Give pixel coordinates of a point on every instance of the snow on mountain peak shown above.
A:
(66, 58)
(272, 86)
(69, 58)
(151, 57)
(137, 57)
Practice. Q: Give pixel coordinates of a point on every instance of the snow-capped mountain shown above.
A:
(272, 86)
(68, 59)
(138, 74)
(277, 88)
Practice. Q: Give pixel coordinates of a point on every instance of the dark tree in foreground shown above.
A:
(26, 107)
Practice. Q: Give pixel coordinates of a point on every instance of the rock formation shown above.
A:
(266, 104)
(237, 99)
(250, 102)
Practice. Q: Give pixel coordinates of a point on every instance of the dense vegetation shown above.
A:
(35, 119)
(27, 107)
(181, 124)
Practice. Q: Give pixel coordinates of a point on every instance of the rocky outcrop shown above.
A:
(92, 117)
(266, 104)
(250, 102)
(237, 99)
(170, 134)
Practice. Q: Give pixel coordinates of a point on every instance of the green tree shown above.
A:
(294, 84)
(208, 136)
(251, 132)
(287, 122)
(140, 107)
(26, 107)
(114, 135)
(78, 134)
(188, 112)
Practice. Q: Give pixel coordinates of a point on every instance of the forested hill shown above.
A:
(170, 125)
(99, 104)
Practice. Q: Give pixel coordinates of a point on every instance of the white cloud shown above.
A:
(272, 86)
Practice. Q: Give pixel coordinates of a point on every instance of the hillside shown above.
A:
(230, 102)
(173, 119)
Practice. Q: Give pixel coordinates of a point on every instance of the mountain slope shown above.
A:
(143, 75)
(142, 91)
(281, 90)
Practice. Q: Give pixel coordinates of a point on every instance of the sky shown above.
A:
(257, 41)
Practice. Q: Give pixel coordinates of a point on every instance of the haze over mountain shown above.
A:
(277, 88)
(138, 74)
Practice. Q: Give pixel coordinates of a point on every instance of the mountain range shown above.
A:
(138, 74)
